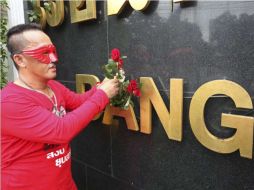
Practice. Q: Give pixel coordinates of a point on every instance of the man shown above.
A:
(36, 130)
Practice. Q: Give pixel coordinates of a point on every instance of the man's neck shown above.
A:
(31, 83)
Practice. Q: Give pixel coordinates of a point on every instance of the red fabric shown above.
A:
(45, 54)
(35, 142)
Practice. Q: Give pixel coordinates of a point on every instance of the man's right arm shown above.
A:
(35, 123)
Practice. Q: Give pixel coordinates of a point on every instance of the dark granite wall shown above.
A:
(198, 42)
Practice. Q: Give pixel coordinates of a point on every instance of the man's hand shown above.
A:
(110, 87)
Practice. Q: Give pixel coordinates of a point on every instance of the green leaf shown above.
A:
(3, 51)
(109, 76)
(131, 103)
(47, 6)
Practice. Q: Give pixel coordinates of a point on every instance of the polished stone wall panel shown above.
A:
(97, 180)
(93, 146)
(79, 174)
(155, 162)
(197, 41)
(82, 47)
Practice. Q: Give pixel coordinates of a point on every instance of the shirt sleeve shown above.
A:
(29, 121)
(72, 99)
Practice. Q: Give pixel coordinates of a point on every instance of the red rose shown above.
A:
(129, 88)
(115, 54)
(133, 88)
(137, 92)
(133, 84)
(120, 63)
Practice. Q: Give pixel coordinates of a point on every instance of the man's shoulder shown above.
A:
(53, 82)
(13, 92)
(56, 85)
(9, 90)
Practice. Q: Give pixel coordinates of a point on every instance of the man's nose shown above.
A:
(53, 57)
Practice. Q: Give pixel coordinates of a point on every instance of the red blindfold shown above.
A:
(45, 54)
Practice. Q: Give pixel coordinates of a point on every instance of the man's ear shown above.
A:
(20, 60)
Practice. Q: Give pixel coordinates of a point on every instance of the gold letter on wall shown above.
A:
(79, 14)
(243, 138)
(55, 16)
(128, 115)
(139, 5)
(81, 80)
(172, 122)
(116, 6)
(41, 11)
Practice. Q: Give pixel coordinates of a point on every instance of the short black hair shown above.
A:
(15, 45)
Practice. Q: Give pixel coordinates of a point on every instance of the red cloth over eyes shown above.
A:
(45, 54)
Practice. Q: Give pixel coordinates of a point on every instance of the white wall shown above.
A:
(15, 16)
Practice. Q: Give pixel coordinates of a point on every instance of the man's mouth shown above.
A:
(52, 66)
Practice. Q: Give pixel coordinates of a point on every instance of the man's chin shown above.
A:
(52, 76)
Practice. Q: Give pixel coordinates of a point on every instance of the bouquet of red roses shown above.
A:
(127, 89)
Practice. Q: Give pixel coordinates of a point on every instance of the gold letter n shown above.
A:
(172, 122)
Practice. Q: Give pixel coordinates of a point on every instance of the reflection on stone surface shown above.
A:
(175, 46)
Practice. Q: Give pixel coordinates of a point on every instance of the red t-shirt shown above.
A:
(35, 138)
